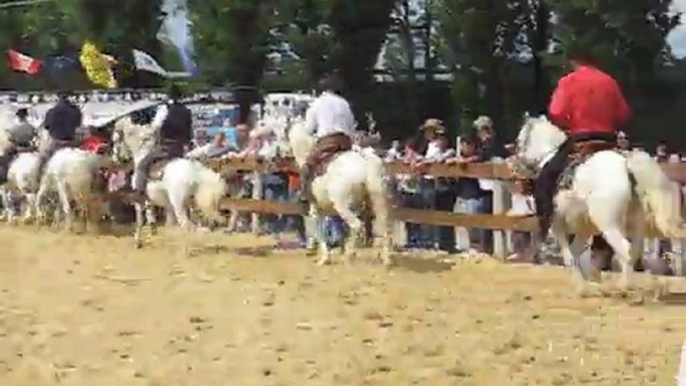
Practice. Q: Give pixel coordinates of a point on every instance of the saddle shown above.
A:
(326, 151)
(581, 152)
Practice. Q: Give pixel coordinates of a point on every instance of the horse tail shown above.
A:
(211, 188)
(378, 195)
(659, 196)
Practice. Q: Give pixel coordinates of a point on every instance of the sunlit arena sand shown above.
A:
(224, 310)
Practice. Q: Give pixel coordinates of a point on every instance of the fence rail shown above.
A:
(498, 221)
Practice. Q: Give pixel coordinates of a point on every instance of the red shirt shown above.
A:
(588, 101)
(92, 144)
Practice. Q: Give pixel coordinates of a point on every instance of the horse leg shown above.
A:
(140, 221)
(29, 206)
(177, 200)
(7, 205)
(320, 235)
(354, 226)
(66, 205)
(150, 217)
(610, 220)
(571, 254)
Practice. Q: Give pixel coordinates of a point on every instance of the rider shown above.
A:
(589, 104)
(20, 136)
(333, 124)
(174, 123)
(61, 123)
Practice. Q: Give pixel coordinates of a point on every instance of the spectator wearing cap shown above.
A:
(435, 193)
(489, 148)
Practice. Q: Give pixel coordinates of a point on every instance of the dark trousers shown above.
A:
(5, 162)
(445, 235)
(545, 185)
(158, 153)
(45, 153)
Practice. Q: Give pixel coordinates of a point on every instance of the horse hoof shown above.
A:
(590, 290)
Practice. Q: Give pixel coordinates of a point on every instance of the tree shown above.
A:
(628, 38)
(118, 26)
(233, 38)
(481, 40)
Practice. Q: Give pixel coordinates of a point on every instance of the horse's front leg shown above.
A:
(140, 221)
(570, 254)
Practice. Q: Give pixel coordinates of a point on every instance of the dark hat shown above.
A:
(433, 124)
(174, 92)
(22, 113)
(331, 82)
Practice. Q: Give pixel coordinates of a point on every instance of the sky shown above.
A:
(678, 36)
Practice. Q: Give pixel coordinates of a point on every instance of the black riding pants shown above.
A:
(158, 153)
(545, 185)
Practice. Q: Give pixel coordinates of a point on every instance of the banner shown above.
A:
(145, 62)
(97, 65)
(23, 63)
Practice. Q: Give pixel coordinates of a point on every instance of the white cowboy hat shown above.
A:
(433, 123)
(483, 121)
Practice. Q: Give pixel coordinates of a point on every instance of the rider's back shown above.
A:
(589, 100)
(22, 134)
(331, 114)
(178, 124)
(62, 120)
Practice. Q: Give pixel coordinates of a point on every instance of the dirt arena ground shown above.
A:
(81, 310)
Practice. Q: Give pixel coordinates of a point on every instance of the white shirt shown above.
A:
(330, 114)
(267, 150)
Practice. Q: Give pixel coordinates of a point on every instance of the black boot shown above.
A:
(305, 194)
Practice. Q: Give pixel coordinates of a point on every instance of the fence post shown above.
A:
(499, 207)
(256, 195)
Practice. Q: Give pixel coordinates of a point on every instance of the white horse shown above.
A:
(604, 196)
(71, 172)
(349, 179)
(21, 180)
(182, 179)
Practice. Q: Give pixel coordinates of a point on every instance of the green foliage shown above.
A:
(232, 39)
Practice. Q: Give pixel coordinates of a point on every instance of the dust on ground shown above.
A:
(86, 310)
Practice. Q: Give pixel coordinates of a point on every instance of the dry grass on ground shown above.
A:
(81, 310)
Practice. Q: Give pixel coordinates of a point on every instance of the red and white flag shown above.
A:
(24, 63)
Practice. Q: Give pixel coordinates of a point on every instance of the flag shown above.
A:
(97, 65)
(175, 31)
(24, 63)
(145, 62)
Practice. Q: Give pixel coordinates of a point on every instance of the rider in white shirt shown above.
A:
(332, 122)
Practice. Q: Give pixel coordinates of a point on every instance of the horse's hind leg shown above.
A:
(66, 206)
(7, 205)
(354, 226)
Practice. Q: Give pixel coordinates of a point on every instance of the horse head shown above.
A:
(131, 141)
(537, 141)
(300, 141)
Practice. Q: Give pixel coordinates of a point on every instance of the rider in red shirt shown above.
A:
(589, 105)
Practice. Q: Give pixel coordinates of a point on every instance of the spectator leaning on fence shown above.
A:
(215, 149)
(469, 192)
(436, 193)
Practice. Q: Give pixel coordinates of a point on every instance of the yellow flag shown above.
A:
(97, 65)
